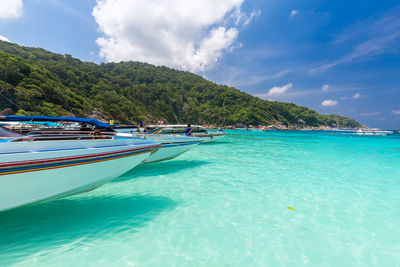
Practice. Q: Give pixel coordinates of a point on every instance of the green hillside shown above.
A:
(39, 82)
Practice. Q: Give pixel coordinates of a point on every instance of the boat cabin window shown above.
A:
(173, 130)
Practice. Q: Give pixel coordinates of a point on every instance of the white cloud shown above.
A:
(356, 96)
(294, 12)
(3, 38)
(10, 9)
(253, 15)
(295, 95)
(396, 112)
(185, 34)
(325, 87)
(279, 90)
(329, 103)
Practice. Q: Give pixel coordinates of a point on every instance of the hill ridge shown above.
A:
(45, 83)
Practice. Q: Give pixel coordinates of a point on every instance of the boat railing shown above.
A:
(68, 132)
(65, 137)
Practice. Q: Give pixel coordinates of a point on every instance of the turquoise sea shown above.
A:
(226, 204)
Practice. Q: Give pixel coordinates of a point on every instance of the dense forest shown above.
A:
(38, 82)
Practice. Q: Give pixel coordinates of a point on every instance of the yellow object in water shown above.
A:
(291, 208)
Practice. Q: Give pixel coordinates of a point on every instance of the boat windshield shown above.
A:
(7, 133)
(176, 130)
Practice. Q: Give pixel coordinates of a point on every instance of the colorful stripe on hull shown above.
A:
(55, 163)
(155, 131)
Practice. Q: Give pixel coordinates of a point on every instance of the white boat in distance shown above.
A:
(35, 168)
(372, 132)
(197, 131)
(361, 131)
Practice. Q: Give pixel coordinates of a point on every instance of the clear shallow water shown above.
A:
(225, 204)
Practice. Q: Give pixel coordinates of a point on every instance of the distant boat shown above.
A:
(244, 128)
(372, 132)
(361, 131)
(41, 167)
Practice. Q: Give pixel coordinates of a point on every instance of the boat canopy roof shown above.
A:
(93, 122)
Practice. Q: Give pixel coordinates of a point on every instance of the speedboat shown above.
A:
(244, 128)
(197, 131)
(171, 146)
(372, 132)
(361, 131)
(38, 167)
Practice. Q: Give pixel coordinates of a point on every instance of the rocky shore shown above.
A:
(276, 126)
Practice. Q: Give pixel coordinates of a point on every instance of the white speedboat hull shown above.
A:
(35, 171)
(172, 146)
(211, 137)
(197, 131)
(365, 132)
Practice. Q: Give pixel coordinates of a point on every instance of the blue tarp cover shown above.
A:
(93, 122)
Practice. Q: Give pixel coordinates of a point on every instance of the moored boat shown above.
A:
(40, 167)
(197, 131)
(171, 146)
(361, 131)
(372, 132)
(244, 128)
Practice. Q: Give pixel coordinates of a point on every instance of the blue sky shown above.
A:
(339, 57)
